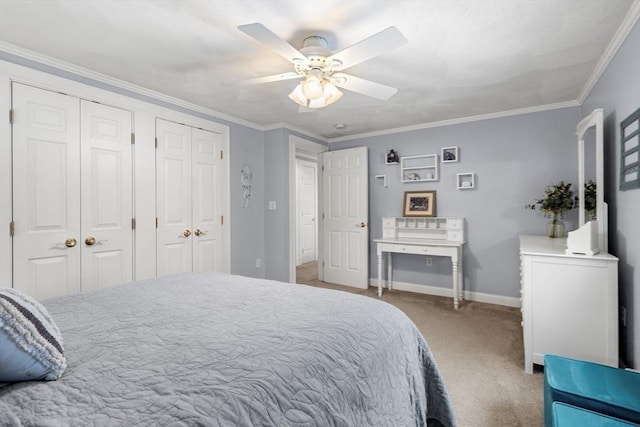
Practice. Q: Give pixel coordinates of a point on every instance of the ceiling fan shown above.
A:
(321, 70)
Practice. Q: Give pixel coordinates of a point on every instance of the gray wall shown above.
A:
(618, 92)
(247, 224)
(277, 179)
(276, 232)
(513, 158)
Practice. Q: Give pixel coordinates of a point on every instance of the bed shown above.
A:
(214, 349)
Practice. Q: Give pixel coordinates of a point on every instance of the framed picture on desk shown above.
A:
(419, 203)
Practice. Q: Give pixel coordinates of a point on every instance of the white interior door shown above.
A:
(46, 192)
(174, 187)
(346, 217)
(307, 210)
(207, 216)
(107, 203)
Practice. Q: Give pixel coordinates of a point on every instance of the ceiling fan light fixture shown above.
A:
(297, 96)
(331, 93)
(312, 87)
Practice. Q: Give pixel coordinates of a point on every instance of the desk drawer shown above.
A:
(409, 249)
(454, 235)
(388, 233)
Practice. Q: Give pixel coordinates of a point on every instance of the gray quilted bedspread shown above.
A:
(224, 350)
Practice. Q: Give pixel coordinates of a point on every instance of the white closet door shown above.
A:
(107, 204)
(206, 165)
(46, 192)
(173, 175)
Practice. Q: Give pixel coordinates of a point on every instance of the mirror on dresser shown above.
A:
(590, 157)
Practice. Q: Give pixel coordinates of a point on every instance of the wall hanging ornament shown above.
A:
(246, 178)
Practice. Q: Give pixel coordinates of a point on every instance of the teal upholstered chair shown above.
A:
(598, 388)
(570, 416)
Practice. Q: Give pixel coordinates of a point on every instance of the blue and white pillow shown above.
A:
(30, 342)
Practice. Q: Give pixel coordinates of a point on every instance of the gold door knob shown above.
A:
(70, 242)
(199, 232)
(363, 224)
(89, 241)
(186, 233)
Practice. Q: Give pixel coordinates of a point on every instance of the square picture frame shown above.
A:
(449, 154)
(419, 203)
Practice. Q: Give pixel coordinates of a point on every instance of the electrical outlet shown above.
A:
(258, 262)
(429, 262)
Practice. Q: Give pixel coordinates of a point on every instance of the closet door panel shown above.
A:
(46, 192)
(107, 202)
(174, 201)
(206, 200)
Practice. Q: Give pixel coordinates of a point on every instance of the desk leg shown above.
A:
(460, 276)
(455, 277)
(389, 271)
(379, 273)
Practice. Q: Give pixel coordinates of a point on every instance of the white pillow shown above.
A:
(30, 342)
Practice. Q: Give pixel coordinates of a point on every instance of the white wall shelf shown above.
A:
(419, 168)
(466, 181)
(384, 180)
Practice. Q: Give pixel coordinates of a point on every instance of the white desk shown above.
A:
(426, 247)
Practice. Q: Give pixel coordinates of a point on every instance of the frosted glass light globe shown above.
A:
(312, 87)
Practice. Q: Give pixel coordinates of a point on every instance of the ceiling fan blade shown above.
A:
(265, 36)
(365, 87)
(267, 79)
(368, 48)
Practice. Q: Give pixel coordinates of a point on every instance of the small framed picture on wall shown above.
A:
(449, 154)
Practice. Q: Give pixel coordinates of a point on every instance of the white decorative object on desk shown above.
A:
(584, 240)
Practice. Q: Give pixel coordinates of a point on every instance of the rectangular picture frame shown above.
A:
(419, 203)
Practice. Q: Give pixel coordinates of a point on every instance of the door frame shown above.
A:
(295, 143)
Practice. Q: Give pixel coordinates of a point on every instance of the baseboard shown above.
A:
(447, 292)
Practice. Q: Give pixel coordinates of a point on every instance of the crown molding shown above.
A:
(617, 40)
(468, 119)
(296, 129)
(47, 64)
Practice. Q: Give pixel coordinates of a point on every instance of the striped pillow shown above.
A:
(30, 342)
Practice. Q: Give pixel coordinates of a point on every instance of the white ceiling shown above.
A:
(462, 59)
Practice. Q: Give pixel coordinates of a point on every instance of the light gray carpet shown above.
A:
(478, 349)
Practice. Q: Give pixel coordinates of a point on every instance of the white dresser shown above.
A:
(569, 303)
